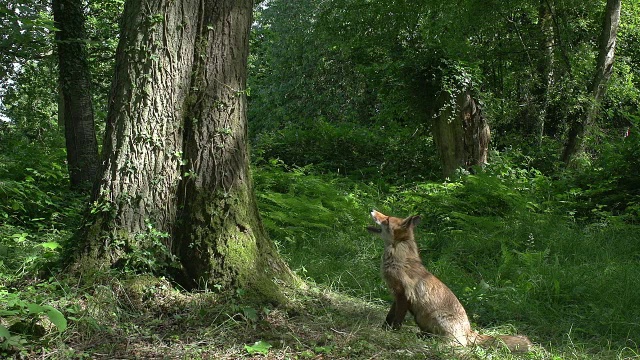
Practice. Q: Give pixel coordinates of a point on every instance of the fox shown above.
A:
(435, 308)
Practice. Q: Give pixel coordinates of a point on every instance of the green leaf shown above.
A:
(51, 245)
(35, 308)
(9, 312)
(4, 332)
(323, 349)
(250, 313)
(56, 317)
(20, 237)
(260, 347)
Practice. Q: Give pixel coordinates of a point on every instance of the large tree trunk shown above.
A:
(176, 163)
(604, 69)
(75, 105)
(460, 132)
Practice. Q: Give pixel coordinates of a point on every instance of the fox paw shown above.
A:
(424, 335)
(387, 326)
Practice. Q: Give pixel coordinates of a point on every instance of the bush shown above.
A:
(386, 154)
(607, 189)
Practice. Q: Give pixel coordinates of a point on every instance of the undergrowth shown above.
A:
(509, 244)
(503, 242)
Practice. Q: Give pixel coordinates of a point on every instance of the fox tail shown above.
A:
(515, 343)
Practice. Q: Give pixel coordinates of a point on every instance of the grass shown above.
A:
(564, 283)
(572, 287)
(145, 317)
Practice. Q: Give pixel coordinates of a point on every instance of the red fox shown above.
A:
(435, 308)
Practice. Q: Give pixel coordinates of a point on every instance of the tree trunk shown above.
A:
(544, 66)
(176, 174)
(604, 69)
(75, 106)
(460, 132)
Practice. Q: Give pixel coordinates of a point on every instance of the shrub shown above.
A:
(384, 154)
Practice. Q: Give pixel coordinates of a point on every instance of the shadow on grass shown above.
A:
(147, 318)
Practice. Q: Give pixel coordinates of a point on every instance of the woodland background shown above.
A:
(343, 96)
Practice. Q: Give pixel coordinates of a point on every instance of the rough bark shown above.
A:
(175, 146)
(598, 87)
(75, 106)
(460, 132)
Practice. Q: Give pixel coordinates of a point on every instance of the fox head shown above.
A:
(393, 229)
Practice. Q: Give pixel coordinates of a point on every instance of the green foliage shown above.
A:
(607, 190)
(259, 347)
(103, 32)
(295, 203)
(28, 65)
(376, 154)
(384, 64)
(24, 319)
(502, 239)
(38, 214)
(497, 191)
(37, 210)
(318, 222)
(147, 253)
(30, 195)
(24, 29)
(347, 87)
(31, 105)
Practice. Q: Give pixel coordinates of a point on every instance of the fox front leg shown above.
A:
(388, 322)
(398, 310)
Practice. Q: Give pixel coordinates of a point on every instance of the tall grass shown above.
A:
(497, 239)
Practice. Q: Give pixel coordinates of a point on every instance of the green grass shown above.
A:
(517, 263)
(511, 261)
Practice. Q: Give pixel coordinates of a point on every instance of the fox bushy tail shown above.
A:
(514, 343)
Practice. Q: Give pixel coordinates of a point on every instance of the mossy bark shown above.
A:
(176, 158)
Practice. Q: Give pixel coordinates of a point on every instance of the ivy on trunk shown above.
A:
(175, 183)
(460, 131)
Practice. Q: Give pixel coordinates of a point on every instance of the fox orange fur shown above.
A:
(435, 308)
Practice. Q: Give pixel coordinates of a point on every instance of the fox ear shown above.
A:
(411, 221)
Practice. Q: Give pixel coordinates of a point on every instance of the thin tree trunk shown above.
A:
(545, 66)
(176, 163)
(75, 105)
(604, 69)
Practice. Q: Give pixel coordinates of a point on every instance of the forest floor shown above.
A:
(147, 318)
